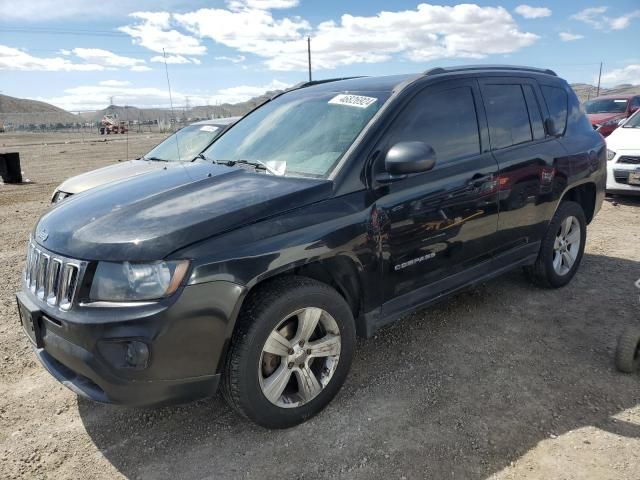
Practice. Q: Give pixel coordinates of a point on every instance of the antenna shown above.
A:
(173, 117)
(599, 76)
(309, 55)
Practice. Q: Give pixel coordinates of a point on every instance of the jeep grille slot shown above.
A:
(51, 278)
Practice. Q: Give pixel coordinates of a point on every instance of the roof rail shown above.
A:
(439, 70)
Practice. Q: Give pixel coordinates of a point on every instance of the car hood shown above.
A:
(624, 139)
(112, 173)
(150, 216)
(596, 118)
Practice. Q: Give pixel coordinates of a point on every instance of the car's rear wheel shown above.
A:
(562, 247)
(290, 353)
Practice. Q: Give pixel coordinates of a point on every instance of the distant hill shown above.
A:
(21, 110)
(180, 113)
(585, 91)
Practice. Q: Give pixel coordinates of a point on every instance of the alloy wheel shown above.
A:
(566, 245)
(299, 357)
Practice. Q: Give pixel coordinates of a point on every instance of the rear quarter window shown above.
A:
(557, 103)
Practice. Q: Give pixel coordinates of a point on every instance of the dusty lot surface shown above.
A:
(502, 381)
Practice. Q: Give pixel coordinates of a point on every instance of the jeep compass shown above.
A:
(326, 213)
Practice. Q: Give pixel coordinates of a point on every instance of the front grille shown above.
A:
(52, 278)
(629, 160)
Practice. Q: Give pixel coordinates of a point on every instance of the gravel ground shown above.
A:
(502, 381)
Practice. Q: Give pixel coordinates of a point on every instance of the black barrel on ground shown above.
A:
(10, 167)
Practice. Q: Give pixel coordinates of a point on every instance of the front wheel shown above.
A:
(561, 248)
(290, 353)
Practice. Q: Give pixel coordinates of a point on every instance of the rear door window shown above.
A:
(507, 114)
(556, 100)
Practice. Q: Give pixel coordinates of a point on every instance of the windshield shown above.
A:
(184, 145)
(606, 105)
(301, 133)
(633, 121)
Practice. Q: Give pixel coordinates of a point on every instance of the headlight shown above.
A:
(59, 195)
(613, 121)
(610, 155)
(127, 281)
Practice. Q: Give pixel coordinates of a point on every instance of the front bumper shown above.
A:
(186, 336)
(618, 174)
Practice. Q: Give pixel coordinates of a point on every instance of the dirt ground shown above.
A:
(504, 381)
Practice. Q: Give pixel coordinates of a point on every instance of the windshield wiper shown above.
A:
(258, 165)
(155, 159)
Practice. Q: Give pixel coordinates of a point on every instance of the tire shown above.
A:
(279, 309)
(628, 351)
(545, 271)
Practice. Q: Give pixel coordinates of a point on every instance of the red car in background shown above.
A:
(606, 112)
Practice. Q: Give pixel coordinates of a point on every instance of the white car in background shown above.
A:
(623, 157)
(182, 146)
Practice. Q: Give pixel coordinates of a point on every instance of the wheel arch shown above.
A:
(341, 272)
(585, 196)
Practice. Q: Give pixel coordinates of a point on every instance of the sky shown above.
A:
(77, 54)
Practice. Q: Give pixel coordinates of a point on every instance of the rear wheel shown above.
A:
(628, 351)
(561, 249)
(290, 353)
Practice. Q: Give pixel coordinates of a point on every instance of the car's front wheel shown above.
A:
(290, 353)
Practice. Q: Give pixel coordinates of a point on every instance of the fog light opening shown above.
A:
(137, 354)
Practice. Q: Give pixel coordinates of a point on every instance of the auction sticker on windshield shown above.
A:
(358, 101)
(208, 128)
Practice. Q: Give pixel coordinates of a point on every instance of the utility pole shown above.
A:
(309, 55)
(599, 76)
(111, 100)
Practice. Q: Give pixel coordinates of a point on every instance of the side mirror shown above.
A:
(409, 157)
(550, 127)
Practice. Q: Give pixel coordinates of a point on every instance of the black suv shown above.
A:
(327, 212)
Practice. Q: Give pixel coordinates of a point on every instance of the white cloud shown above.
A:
(569, 37)
(140, 68)
(64, 51)
(237, 59)
(153, 31)
(595, 17)
(528, 11)
(427, 33)
(171, 59)
(628, 74)
(106, 58)
(95, 97)
(14, 59)
(114, 83)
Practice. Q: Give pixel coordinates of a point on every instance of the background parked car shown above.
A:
(183, 146)
(606, 112)
(623, 155)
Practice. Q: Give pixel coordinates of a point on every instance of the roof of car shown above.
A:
(218, 121)
(389, 83)
(362, 84)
